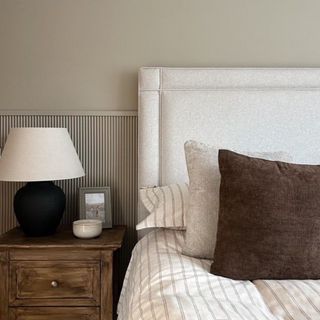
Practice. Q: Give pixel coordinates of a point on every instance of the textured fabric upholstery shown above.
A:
(234, 108)
(269, 219)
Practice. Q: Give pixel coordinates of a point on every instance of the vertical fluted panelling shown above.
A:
(107, 147)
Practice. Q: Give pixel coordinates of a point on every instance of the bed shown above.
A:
(249, 109)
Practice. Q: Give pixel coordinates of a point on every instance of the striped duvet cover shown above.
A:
(161, 283)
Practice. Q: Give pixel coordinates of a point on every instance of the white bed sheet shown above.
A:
(161, 283)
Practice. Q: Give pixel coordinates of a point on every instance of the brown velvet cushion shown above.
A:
(269, 219)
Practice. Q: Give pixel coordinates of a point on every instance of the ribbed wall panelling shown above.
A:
(107, 147)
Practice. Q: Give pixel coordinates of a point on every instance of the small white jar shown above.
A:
(87, 229)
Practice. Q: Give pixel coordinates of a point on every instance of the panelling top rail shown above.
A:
(227, 78)
(80, 113)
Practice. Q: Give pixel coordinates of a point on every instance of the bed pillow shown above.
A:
(167, 206)
(269, 220)
(204, 184)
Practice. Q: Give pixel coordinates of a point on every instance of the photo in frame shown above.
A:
(95, 203)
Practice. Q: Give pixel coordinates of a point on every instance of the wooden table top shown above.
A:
(64, 238)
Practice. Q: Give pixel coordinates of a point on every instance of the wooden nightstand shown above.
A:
(57, 277)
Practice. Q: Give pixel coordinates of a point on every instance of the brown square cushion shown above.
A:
(269, 219)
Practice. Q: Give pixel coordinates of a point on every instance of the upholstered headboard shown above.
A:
(241, 109)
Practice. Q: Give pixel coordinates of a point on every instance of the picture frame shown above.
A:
(95, 203)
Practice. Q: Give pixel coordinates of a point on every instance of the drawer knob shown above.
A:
(54, 284)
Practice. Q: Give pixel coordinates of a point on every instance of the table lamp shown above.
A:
(39, 156)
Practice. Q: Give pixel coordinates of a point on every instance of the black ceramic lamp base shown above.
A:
(39, 207)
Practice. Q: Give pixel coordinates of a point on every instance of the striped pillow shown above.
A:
(167, 206)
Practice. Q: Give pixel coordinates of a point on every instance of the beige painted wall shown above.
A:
(84, 54)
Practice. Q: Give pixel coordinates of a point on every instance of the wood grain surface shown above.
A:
(4, 278)
(58, 277)
(54, 313)
(109, 239)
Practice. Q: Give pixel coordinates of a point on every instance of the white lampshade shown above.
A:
(39, 154)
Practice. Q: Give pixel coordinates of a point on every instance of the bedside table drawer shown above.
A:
(52, 313)
(45, 283)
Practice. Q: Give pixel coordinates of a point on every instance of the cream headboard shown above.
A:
(240, 109)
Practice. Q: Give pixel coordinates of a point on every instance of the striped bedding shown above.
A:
(292, 299)
(161, 283)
